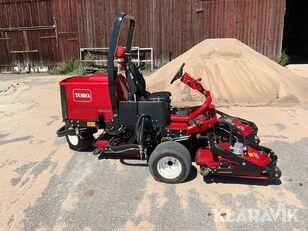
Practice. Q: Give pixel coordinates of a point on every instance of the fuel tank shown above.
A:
(85, 98)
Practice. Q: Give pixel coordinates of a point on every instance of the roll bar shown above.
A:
(112, 72)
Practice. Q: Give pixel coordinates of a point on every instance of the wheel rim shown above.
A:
(169, 167)
(73, 139)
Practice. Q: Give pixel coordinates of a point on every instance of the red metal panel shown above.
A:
(88, 98)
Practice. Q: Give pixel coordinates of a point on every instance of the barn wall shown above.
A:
(169, 26)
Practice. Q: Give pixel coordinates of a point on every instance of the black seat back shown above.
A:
(131, 85)
(135, 80)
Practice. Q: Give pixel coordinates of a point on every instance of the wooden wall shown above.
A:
(169, 26)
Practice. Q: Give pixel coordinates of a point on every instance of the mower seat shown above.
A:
(159, 96)
(137, 86)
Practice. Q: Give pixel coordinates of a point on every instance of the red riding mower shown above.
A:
(140, 124)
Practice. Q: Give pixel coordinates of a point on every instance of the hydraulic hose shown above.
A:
(115, 133)
(139, 130)
(230, 130)
(140, 127)
(242, 134)
(122, 147)
(250, 123)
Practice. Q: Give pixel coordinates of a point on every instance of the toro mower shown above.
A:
(137, 123)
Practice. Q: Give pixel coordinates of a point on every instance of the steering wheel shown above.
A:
(178, 74)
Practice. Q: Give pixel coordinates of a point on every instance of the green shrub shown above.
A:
(88, 56)
(15, 71)
(283, 59)
(146, 68)
(71, 66)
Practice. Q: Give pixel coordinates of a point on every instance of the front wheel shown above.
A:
(80, 143)
(170, 162)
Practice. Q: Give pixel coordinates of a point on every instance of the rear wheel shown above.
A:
(170, 162)
(80, 143)
(276, 173)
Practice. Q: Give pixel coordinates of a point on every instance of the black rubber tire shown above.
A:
(84, 142)
(175, 150)
(277, 173)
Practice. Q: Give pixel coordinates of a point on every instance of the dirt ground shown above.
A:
(46, 186)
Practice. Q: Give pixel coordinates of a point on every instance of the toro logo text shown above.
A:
(82, 95)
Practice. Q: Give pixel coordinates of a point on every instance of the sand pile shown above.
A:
(299, 69)
(234, 73)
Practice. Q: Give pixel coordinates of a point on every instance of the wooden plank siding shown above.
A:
(171, 27)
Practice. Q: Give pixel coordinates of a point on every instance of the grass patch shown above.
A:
(15, 71)
(145, 68)
(283, 59)
(71, 66)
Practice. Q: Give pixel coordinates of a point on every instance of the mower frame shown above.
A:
(148, 127)
(120, 17)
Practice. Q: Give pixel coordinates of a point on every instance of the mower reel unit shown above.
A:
(134, 122)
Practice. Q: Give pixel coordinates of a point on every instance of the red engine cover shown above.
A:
(88, 96)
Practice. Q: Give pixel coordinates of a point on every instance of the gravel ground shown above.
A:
(108, 198)
(46, 186)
